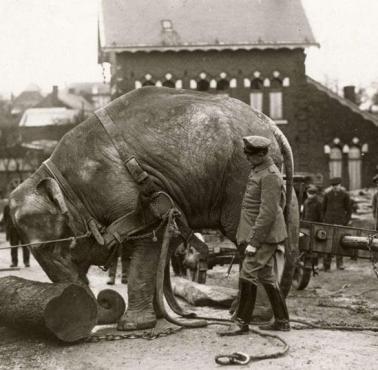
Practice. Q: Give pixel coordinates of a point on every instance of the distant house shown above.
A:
(67, 100)
(252, 50)
(39, 130)
(97, 93)
(27, 99)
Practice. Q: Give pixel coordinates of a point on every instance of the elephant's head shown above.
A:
(41, 214)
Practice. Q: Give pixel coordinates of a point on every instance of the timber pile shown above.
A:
(65, 310)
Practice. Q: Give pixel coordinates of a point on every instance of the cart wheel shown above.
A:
(302, 276)
(197, 275)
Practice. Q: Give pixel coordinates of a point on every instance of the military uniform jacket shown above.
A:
(261, 217)
(337, 207)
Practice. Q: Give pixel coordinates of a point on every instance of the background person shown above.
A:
(312, 206)
(312, 210)
(13, 238)
(337, 210)
(125, 265)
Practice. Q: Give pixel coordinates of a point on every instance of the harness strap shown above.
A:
(144, 180)
(138, 174)
(69, 193)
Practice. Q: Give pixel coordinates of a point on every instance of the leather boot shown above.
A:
(281, 315)
(340, 263)
(243, 313)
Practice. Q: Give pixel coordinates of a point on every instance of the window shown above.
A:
(354, 168)
(335, 162)
(166, 24)
(256, 100)
(256, 96)
(275, 105)
(169, 83)
(223, 84)
(148, 83)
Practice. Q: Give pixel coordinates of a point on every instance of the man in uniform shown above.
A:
(261, 231)
(374, 204)
(337, 210)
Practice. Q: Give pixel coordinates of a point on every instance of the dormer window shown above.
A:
(166, 24)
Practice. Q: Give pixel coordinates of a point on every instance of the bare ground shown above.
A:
(347, 297)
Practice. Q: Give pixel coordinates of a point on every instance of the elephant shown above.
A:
(190, 145)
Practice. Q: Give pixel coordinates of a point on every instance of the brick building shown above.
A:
(251, 50)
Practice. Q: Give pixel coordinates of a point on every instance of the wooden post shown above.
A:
(67, 311)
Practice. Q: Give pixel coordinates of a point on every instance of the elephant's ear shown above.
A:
(51, 188)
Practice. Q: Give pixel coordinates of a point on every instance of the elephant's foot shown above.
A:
(137, 321)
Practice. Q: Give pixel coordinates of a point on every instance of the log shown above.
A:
(217, 296)
(203, 295)
(111, 306)
(66, 311)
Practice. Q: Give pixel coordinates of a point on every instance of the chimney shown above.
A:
(350, 93)
(54, 95)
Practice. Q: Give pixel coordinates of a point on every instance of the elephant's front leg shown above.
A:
(140, 312)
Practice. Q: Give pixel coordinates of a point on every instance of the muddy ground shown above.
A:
(347, 297)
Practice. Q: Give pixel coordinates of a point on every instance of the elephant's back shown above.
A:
(191, 141)
(160, 121)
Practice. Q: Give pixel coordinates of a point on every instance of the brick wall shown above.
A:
(313, 118)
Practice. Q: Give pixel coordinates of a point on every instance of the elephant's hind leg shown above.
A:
(140, 312)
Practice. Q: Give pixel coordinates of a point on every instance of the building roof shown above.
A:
(27, 99)
(66, 100)
(128, 25)
(33, 117)
(354, 107)
(90, 88)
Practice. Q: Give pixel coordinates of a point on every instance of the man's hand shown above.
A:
(250, 250)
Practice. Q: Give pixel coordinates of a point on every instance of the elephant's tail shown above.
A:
(289, 166)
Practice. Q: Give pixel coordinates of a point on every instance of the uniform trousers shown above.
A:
(260, 266)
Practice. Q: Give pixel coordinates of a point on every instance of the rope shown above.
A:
(70, 238)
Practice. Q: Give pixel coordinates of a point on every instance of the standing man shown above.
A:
(374, 204)
(312, 211)
(261, 231)
(312, 207)
(337, 210)
(124, 253)
(13, 238)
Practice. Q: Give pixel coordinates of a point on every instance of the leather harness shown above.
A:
(134, 222)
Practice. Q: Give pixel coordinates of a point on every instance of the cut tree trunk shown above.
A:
(67, 311)
(111, 306)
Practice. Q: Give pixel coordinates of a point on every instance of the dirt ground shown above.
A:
(347, 297)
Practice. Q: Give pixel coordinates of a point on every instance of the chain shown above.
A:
(148, 335)
(372, 256)
(151, 234)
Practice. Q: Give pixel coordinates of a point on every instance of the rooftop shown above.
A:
(126, 25)
(34, 117)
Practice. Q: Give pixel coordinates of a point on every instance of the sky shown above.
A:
(54, 42)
